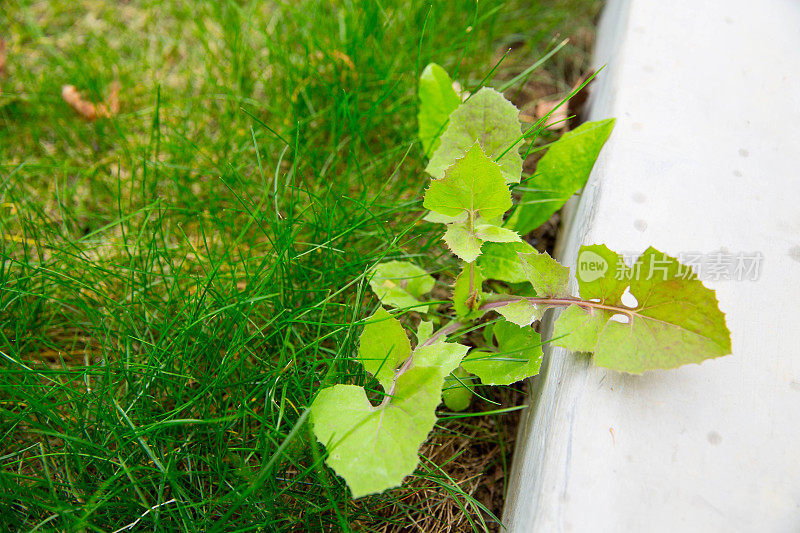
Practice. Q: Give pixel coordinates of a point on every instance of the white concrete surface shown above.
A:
(705, 156)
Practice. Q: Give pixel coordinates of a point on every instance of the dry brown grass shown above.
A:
(462, 470)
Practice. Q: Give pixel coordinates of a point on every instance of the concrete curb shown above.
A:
(705, 160)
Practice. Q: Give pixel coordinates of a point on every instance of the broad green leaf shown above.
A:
(473, 188)
(473, 185)
(400, 283)
(383, 346)
(559, 174)
(548, 277)
(466, 302)
(488, 332)
(374, 448)
(492, 120)
(601, 273)
(522, 289)
(519, 356)
(457, 391)
(444, 355)
(501, 261)
(492, 233)
(465, 244)
(424, 331)
(437, 218)
(579, 329)
(437, 99)
(676, 320)
(522, 312)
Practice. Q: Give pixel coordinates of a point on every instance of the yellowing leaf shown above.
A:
(602, 274)
(548, 277)
(492, 233)
(424, 331)
(374, 448)
(444, 355)
(522, 312)
(676, 319)
(465, 244)
(383, 346)
(400, 283)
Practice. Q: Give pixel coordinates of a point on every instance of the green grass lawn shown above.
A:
(178, 281)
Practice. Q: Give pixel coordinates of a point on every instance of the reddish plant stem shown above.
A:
(442, 332)
(558, 302)
(455, 324)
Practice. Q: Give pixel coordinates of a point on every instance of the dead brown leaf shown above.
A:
(558, 119)
(472, 455)
(89, 110)
(113, 98)
(3, 56)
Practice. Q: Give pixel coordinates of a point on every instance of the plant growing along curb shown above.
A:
(675, 320)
